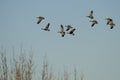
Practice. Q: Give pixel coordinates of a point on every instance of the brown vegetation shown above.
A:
(21, 68)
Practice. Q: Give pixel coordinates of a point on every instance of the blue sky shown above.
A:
(95, 51)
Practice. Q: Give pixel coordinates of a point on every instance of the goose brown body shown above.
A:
(94, 22)
(46, 27)
(40, 18)
(62, 32)
(91, 15)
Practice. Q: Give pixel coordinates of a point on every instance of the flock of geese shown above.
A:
(109, 20)
(70, 29)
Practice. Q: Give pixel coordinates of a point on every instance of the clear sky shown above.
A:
(95, 51)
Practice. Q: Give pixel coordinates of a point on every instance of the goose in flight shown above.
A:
(108, 20)
(68, 27)
(62, 32)
(91, 15)
(93, 22)
(72, 32)
(46, 27)
(40, 18)
(111, 24)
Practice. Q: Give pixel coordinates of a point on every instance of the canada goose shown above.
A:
(40, 18)
(93, 22)
(72, 31)
(91, 15)
(111, 24)
(46, 27)
(62, 32)
(68, 27)
(108, 20)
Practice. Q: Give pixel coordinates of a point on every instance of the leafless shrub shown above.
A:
(21, 68)
(3, 66)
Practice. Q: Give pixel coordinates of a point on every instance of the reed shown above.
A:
(22, 68)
